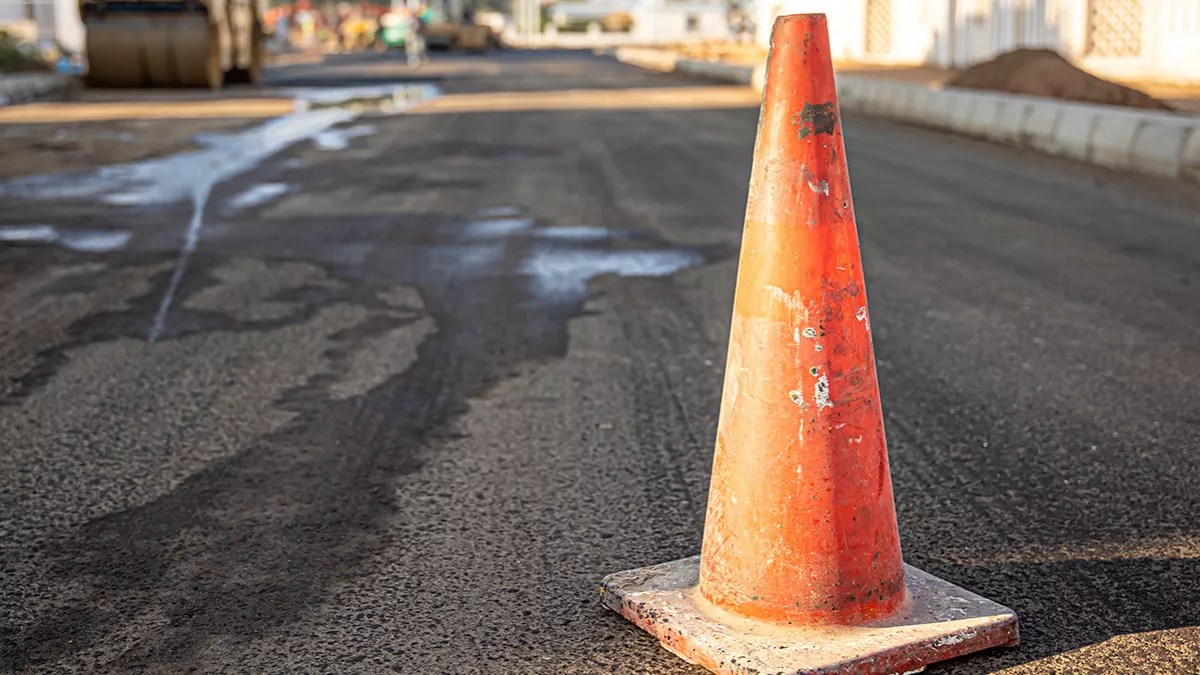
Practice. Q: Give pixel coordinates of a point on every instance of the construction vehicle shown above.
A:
(173, 43)
(450, 24)
(449, 27)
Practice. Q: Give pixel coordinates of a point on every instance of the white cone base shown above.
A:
(939, 621)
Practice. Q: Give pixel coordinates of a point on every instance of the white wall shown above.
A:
(56, 20)
(67, 25)
(1177, 37)
(958, 33)
(847, 28)
(1170, 45)
(662, 21)
(12, 10)
(914, 25)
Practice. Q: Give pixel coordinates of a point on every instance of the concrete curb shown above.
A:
(25, 87)
(648, 58)
(1157, 143)
(669, 62)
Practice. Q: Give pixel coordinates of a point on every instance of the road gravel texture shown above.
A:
(410, 405)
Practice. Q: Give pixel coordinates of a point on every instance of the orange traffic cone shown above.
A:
(800, 571)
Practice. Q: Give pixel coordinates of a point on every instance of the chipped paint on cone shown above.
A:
(800, 570)
(832, 529)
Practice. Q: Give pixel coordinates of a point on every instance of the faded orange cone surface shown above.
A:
(800, 570)
(801, 524)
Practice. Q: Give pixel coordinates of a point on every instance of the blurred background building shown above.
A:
(44, 21)
(1151, 39)
(1130, 39)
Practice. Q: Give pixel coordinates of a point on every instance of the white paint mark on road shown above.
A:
(339, 139)
(29, 234)
(192, 175)
(497, 228)
(563, 275)
(503, 222)
(83, 241)
(178, 177)
(257, 195)
(93, 241)
(199, 200)
(185, 175)
(499, 212)
(389, 98)
(235, 155)
(578, 233)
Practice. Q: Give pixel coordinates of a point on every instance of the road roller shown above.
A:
(173, 43)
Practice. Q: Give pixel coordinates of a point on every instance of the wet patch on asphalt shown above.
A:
(257, 195)
(194, 175)
(252, 541)
(83, 241)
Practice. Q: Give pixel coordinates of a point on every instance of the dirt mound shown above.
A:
(1041, 72)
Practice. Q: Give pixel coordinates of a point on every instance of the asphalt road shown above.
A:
(402, 413)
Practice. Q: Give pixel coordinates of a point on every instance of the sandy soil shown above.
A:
(1042, 72)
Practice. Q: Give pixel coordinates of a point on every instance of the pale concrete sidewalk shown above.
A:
(1183, 98)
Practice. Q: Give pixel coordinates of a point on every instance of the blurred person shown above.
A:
(328, 33)
(370, 36)
(306, 25)
(281, 26)
(370, 26)
(414, 37)
(351, 30)
(733, 20)
(741, 24)
(749, 28)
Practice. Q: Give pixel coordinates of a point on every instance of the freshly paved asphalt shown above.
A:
(382, 432)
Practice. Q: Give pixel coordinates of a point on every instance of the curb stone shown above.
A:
(1151, 142)
(25, 87)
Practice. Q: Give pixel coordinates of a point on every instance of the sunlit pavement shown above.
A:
(364, 391)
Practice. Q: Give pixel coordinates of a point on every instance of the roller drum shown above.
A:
(153, 52)
(114, 53)
(194, 53)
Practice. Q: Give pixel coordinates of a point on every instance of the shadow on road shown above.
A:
(1072, 604)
